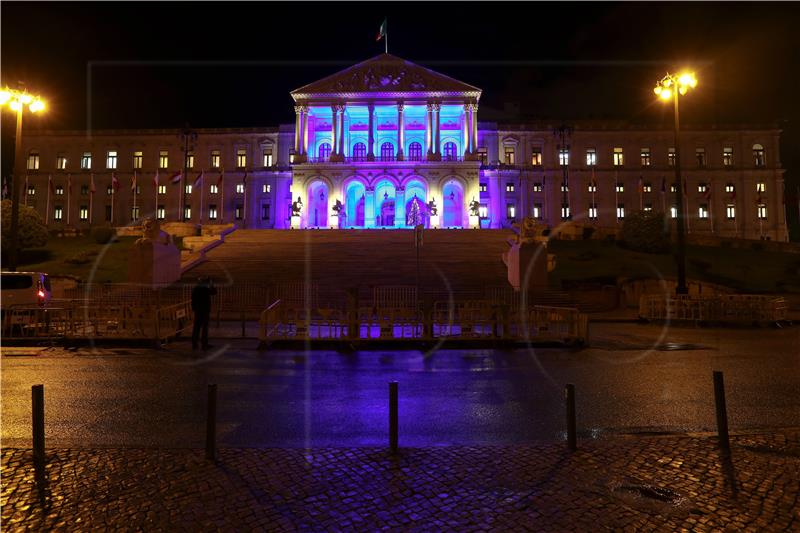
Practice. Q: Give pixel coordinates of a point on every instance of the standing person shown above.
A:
(201, 306)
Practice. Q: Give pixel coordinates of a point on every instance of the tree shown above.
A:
(414, 214)
(32, 231)
(646, 231)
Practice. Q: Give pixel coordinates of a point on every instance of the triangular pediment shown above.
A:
(385, 75)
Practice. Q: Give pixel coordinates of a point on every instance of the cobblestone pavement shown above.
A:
(664, 483)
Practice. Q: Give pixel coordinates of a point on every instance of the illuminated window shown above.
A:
(761, 187)
(187, 189)
(483, 155)
(61, 162)
(163, 159)
(591, 187)
(387, 152)
(702, 211)
(86, 160)
(762, 211)
(215, 158)
(241, 157)
(648, 207)
(213, 189)
(645, 156)
(647, 187)
(564, 187)
(537, 211)
(702, 187)
(536, 157)
(291, 156)
(189, 159)
(135, 212)
(324, 152)
(758, 155)
(212, 212)
(111, 159)
(266, 159)
(138, 158)
(483, 211)
(510, 154)
(673, 211)
(537, 187)
(673, 188)
(593, 211)
(591, 157)
(619, 158)
(671, 157)
(187, 212)
(620, 187)
(240, 188)
(58, 212)
(59, 190)
(620, 210)
(162, 189)
(450, 152)
(482, 187)
(700, 155)
(83, 212)
(31, 190)
(509, 187)
(511, 211)
(266, 188)
(730, 211)
(161, 213)
(564, 212)
(359, 152)
(727, 156)
(730, 188)
(414, 151)
(33, 160)
(563, 157)
(238, 211)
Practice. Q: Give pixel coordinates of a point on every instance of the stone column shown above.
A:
(297, 128)
(369, 207)
(473, 119)
(438, 117)
(436, 154)
(304, 130)
(467, 132)
(342, 130)
(399, 207)
(371, 145)
(401, 137)
(334, 130)
(429, 131)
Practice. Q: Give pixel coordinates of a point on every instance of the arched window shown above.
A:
(359, 152)
(415, 152)
(758, 155)
(450, 151)
(387, 152)
(324, 152)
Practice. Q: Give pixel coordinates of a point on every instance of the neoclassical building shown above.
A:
(387, 143)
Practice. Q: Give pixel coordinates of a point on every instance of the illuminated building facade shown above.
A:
(387, 143)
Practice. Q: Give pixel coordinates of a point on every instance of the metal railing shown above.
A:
(733, 308)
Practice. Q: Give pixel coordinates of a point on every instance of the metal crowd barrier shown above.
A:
(733, 308)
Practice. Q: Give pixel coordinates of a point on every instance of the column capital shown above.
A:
(436, 107)
(429, 106)
(300, 108)
(401, 105)
(337, 107)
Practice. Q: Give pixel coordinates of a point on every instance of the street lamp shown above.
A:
(674, 86)
(16, 100)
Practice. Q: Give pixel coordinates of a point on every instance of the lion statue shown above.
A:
(527, 230)
(152, 233)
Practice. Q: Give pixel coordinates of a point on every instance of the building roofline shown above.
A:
(159, 131)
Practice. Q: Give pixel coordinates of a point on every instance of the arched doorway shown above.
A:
(453, 205)
(384, 204)
(416, 189)
(354, 200)
(317, 214)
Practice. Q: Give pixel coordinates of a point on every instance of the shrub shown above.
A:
(646, 231)
(103, 234)
(81, 258)
(32, 231)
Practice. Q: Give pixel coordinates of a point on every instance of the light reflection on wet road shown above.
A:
(157, 398)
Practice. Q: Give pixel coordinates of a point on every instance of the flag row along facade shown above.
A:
(390, 144)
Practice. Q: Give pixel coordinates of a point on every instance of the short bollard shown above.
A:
(722, 412)
(393, 416)
(572, 441)
(37, 403)
(211, 424)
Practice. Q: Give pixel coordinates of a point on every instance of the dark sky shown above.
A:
(149, 65)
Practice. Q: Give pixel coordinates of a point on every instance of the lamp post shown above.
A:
(674, 86)
(16, 101)
(563, 134)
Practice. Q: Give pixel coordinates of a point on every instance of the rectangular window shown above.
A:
(215, 158)
(620, 187)
(511, 211)
(213, 189)
(619, 158)
(730, 211)
(483, 155)
(564, 212)
(267, 157)
(700, 155)
(536, 157)
(673, 212)
(264, 211)
(537, 187)
(702, 211)
(162, 189)
(138, 159)
(237, 212)
(620, 211)
(671, 157)
(84, 190)
(212, 212)
(727, 156)
(564, 187)
(86, 161)
(591, 187)
(266, 188)
(58, 213)
(135, 212)
(482, 187)
(33, 161)
(161, 213)
(563, 157)
(109, 190)
(483, 211)
(537, 211)
(31, 190)
(163, 159)
(61, 162)
(645, 156)
(591, 157)
(593, 212)
(702, 187)
(59, 190)
(730, 188)
(83, 212)
(673, 188)
(509, 187)
(240, 188)
(762, 211)
(291, 156)
(648, 207)
(647, 187)
(510, 153)
(758, 155)
(187, 189)
(190, 160)
(187, 212)
(241, 157)
(111, 159)
(761, 187)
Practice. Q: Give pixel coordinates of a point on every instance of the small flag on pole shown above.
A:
(114, 181)
(155, 180)
(244, 178)
(219, 181)
(69, 184)
(50, 184)
(381, 31)
(176, 178)
(133, 183)
(92, 188)
(199, 179)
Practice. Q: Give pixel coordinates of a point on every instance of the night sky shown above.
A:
(153, 65)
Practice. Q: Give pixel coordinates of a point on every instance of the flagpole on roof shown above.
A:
(386, 30)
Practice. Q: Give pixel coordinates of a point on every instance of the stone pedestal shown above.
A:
(154, 262)
(474, 221)
(527, 259)
(295, 222)
(434, 221)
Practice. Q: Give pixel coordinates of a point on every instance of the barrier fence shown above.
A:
(731, 308)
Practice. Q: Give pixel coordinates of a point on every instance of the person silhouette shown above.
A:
(201, 306)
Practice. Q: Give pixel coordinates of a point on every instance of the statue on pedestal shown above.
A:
(432, 209)
(297, 207)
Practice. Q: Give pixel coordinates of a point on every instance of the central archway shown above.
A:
(384, 204)
(317, 215)
(453, 204)
(416, 189)
(354, 201)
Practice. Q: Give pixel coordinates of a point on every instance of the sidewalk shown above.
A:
(664, 483)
